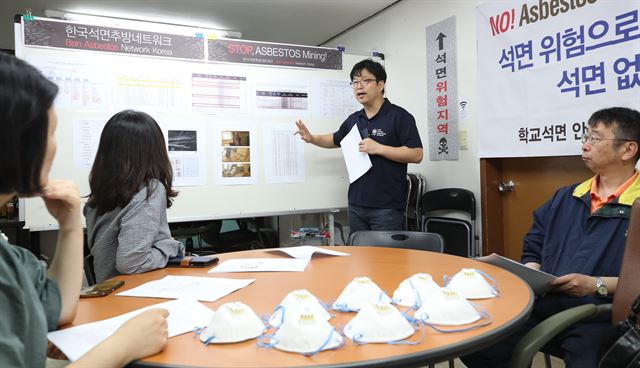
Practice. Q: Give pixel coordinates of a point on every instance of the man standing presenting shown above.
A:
(377, 200)
(579, 235)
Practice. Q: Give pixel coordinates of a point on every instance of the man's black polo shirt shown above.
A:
(385, 184)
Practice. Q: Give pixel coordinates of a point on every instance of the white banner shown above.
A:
(544, 66)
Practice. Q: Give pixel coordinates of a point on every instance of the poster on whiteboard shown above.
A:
(545, 66)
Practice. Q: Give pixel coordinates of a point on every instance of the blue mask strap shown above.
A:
(265, 319)
(262, 341)
(383, 294)
(481, 311)
(279, 309)
(342, 307)
(424, 317)
(200, 331)
(327, 307)
(445, 280)
(413, 321)
(357, 338)
(418, 303)
(494, 284)
(407, 342)
(325, 343)
(266, 328)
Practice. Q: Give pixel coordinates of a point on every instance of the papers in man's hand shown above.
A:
(306, 251)
(206, 289)
(184, 316)
(261, 265)
(358, 163)
(537, 280)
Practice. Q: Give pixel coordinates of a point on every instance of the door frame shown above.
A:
(491, 206)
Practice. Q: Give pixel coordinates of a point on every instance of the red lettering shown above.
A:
(72, 43)
(502, 22)
(234, 48)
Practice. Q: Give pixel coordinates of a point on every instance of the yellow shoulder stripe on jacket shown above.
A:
(633, 192)
(627, 197)
(583, 188)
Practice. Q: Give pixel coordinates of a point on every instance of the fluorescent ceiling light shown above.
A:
(148, 23)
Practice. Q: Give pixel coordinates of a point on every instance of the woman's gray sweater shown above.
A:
(132, 239)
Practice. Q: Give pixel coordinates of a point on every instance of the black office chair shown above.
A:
(398, 239)
(250, 234)
(190, 230)
(459, 234)
(406, 207)
(416, 188)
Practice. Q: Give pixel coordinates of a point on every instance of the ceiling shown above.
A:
(305, 22)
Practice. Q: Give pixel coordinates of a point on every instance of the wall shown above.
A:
(399, 33)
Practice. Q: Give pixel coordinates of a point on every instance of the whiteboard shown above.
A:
(95, 85)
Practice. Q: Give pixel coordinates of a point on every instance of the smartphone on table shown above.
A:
(191, 261)
(101, 289)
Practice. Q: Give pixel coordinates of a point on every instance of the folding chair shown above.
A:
(416, 185)
(459, 234)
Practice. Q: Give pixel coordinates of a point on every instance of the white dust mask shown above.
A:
(296, 302)
(232, 322)
(414, 290)
(447, 308)
(378, 322)
(306, 333)
(358, 293)
(472, 284)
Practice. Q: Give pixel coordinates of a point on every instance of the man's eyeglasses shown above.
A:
(593, 140)
(363, 83)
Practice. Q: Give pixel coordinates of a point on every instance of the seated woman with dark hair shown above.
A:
(34, 299)
(126, 213)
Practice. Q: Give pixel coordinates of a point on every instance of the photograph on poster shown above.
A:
(183, 140)
(236, 170)
(235, 138)
(235, 154)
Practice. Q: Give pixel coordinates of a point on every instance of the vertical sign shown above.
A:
(442, 90)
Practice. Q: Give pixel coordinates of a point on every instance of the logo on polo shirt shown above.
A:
(378, 133)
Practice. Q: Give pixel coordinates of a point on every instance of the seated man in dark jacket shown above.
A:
(579, 236)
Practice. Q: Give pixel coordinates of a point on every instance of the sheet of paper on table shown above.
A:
(184, 316)
(206, 289)
(261, 265)
(306, 251)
